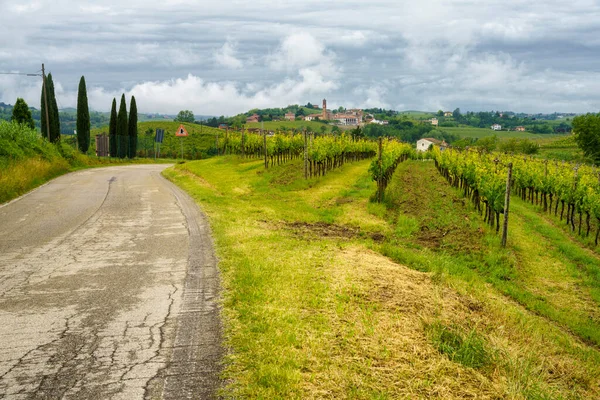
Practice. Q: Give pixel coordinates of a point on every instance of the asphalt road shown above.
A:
(108, 290)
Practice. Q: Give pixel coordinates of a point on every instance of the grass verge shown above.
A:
(312, 309)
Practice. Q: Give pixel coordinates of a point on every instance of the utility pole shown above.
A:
(45, 101)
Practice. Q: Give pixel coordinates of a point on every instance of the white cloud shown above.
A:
(300, 50)
(226, 56)
(211, 98)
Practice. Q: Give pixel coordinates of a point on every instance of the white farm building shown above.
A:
(425, 143)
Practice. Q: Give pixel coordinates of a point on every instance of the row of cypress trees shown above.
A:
(83, 114)
(122, 131)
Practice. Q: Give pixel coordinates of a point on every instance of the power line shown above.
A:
(19, 73)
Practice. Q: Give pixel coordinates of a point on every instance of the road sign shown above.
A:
(160, 135)
(181, 131)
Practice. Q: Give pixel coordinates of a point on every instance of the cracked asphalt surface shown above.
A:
(108, 290)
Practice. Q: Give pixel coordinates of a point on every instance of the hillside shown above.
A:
(327, 294)
(27, 160)
(199, 144)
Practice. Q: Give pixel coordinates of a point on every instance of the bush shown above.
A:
(514, 145)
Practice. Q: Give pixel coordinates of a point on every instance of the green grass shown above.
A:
(311, 126)
(417, 114)
(471, 132)
(313, 310)
(466, 348)
(199, 144)
(27, 160)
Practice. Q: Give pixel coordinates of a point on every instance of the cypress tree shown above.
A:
(43, 122)
(53, 111)
(83, 118)
(112, 129)
(22, 114)
(122, 128)
(132, 128)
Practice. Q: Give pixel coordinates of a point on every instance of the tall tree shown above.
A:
(54, 121)
(132, 128)
(185, 116)
(112, 129)
(43, 121)
(122, 129)
(587, 135)
(22, 114)
(83, 118)
(53, 111)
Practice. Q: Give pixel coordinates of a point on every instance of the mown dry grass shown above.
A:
(313, 310)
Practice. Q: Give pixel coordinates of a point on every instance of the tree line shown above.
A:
(123, 126)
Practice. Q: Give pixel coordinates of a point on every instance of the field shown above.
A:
(471, 132)
(328, 295)
(199, 144)
(311, 126)
(420, 115)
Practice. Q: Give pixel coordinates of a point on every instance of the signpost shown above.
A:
(158, 139)
(181, 132)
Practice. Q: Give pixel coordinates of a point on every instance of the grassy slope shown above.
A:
(312, 310)
(277, 125)
(199, 144)
(27, 160)
(483, 132)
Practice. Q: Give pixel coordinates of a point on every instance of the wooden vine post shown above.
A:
(243, 143)
(305, 155)
(506, 205)
(217, 143)
(265, 147)
(380, 174)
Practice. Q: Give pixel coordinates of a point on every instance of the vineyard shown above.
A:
(322, 153)
(391, 153)
(549, 185)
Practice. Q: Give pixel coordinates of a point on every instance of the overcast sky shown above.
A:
(226, 57)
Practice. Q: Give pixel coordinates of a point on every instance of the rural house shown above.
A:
(447, 113)
(496, 127)
(520, 128)
(253, 118)
(434, 121)
(290, 116)
(425, 143)
(347, 119)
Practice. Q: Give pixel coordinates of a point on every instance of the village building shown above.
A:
(425, 143)
(312, 117)
(434, 121)
(520, 128)
(448, 113)
(290, 116)
(347, 119)
(253, 118)
(496, 127)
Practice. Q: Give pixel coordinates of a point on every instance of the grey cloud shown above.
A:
(431, 54)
